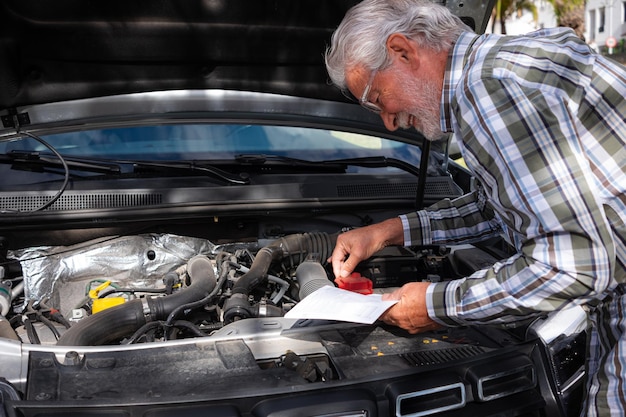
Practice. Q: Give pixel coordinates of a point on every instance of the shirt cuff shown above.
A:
(416, 228)
(406, 228)
(441, 302)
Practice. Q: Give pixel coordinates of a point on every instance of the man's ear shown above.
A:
(401, 48)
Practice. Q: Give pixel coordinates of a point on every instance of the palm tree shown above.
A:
(505, 9)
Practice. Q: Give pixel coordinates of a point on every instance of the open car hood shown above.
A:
(72, 49)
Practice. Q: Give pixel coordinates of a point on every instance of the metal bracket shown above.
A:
(15, 119)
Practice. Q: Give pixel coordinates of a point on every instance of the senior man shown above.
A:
(541, 123)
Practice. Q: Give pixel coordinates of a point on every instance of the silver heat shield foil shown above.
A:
(62, 274)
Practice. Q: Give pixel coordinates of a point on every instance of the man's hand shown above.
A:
(356, 245)
(410, 312)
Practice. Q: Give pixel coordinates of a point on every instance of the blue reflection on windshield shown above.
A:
(218, 141)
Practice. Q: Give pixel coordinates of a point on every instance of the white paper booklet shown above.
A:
(330, 303)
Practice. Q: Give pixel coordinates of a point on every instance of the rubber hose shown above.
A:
(105, 326)
(311, 276)
(116, 322)
(294, 248)
(200, 270)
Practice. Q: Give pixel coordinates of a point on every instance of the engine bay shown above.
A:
(157, 286)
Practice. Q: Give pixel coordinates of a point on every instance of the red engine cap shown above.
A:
(356, 283)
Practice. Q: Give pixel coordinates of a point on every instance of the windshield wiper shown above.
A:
(36, 159)
(114, 167)
(378, 162)
(193, 166)
(262, 159)
(284, 161)
(365, 162)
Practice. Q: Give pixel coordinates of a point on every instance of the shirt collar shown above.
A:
(454, 71)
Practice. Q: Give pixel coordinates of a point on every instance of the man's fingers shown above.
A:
(344, 260)
(347, 267)
(337, 260)
(343, 268)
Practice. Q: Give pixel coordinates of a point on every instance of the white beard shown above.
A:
(425, 115)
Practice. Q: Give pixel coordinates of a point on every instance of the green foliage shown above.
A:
(505, 9)
(564, 7)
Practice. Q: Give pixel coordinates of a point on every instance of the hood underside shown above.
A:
(75, 49)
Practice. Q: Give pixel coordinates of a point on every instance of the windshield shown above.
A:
(201, 142)
(216, 141)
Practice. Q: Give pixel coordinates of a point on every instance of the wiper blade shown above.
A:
(263, 159)
(366, 162)
(115, 167)
(192, 166)
(46, 161)
(378, 162)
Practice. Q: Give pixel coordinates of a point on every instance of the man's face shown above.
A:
(405, 100)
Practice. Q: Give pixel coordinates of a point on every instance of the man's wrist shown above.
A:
(392, 232)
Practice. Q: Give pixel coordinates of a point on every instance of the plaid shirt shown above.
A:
(541, 123)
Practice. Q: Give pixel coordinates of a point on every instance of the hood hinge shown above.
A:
(15, 119)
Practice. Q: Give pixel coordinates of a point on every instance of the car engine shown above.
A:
(158, 287)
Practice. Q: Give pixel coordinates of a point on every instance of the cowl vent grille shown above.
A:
(377, 190)
(442, 356)
(435, 187)
(82, 201)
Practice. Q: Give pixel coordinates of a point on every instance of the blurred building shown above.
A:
(605, 19)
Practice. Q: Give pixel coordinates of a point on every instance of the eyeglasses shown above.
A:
(364, 98)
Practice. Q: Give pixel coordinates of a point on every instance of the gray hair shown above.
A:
(360, 39)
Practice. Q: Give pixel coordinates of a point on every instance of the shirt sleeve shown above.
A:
(525, 147)
(465, 219)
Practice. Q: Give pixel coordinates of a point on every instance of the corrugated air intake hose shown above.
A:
(292, 249)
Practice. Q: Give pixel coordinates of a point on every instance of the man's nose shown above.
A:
(389, 120)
